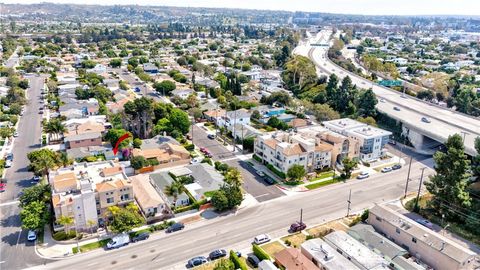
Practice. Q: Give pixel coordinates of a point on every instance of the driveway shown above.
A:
(252, 183)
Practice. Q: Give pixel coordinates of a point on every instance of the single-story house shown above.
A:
(83, 140)
(160, 181)
(152, 205)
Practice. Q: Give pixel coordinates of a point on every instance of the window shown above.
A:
(124, 197)
(414, 239)
(110, 200)
(397, 230)
(92, 140)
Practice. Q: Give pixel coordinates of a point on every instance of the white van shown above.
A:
(119, 241)
(262, 238)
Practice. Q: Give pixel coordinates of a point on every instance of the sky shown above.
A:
(367, 7)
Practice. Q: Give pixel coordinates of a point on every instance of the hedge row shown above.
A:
(277, 172)
(239, 264)
(260, 253)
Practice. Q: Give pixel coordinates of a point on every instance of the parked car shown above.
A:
(195, 160)
(8, 164)
(137, 89)
(140, 237)
(260, 173)
(363, 175)
(175, 227)
(382, 100)
(216, 254)
(211, 136)
(396, 167)
(9, 156)
(197, 261)
(392, 142)
(208, 154)
(31, 235)
(396, 108)
(262, 238)
(15, 134)
(203, 149)
(268, 180)
(3, 188)
(40, 112)
(424, 222)
(387, 169)
(426, 120)
(297, 227)
(119, 241)
(36, 178)
(253, 260)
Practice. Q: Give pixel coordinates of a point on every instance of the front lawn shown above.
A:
(294, 240)
(321, 184)
(92, 246)
(272, 248)
(322, 175)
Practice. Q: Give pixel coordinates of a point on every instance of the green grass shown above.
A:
(209, 194)
(321, 184)
(91, 246)
(323, 176)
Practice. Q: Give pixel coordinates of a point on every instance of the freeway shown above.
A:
(15, 251)
(163, 251)
(409, 110)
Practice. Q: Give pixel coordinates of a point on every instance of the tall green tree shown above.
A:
(348, 166)
(124, 219)
(233, 177)
(366, 103)
(66, 221)
(34, 215)
(43, 160)
(448, 185)
(37, 193)
(476, 160)
(296, 172)
(174, 189)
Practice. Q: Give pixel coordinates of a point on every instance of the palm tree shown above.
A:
(65, 221)
(91, 223)
(64, 160)
(55, 126)
(174, 189)
(43, 164)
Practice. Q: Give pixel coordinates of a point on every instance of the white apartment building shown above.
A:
(234, 118)
(283, 149)
(372, 140)
(84, 191)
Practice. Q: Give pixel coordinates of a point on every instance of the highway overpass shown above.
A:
(406, 109)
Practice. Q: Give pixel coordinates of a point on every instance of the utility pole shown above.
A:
(234, 123)
(408, 177)
(464, 134)
(301, 215)
(349, 203)
(419, 188)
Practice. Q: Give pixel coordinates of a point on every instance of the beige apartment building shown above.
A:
(434, 249)
(84, 191)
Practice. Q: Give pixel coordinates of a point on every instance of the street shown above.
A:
(13, 240)
(252, 183)
(163, 251)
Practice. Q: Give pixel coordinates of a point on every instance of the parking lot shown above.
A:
(253, 183)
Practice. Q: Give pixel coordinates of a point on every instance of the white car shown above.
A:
(262, 238)
(32, 235)
(387, 169)
(196, 160)
(260, 173)
(15, 134)
(363, 175)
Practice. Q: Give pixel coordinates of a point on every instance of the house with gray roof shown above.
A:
(205, 178)
(162, 180)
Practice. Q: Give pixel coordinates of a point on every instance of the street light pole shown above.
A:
(349, 203)
(419, 188)
(408, 177)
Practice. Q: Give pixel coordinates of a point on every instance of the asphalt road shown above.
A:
(15, 251)
(252, 183)
(163, 251)
(443, 122)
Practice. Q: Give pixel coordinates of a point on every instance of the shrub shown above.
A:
(257, 158)
(61, 236)
(309, 237)
(288, 243)
(239, 264)
(277, 172)
(260, 253)
(153, 162)
(364, 215)
(190, 147)
(207, 160)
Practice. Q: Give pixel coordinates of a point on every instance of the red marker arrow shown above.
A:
(124, 136)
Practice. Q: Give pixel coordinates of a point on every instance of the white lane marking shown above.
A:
(18, 239)
(265, 194)
(9, 203)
